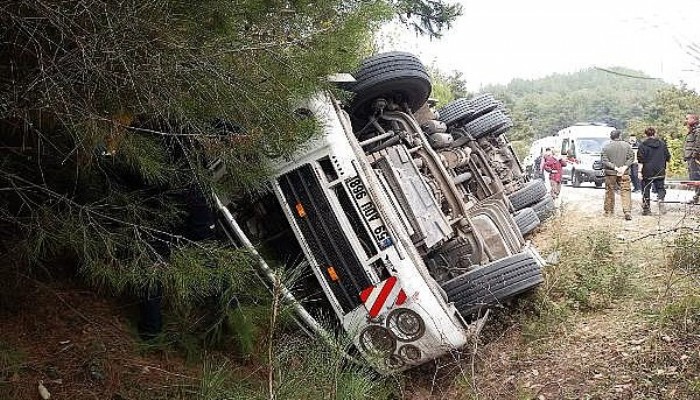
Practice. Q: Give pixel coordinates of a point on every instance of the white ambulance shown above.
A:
(583, 144)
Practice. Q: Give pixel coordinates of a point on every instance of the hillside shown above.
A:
(543, 106)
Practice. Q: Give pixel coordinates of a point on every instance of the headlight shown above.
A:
(375, 339)
(410, 352)
(406, 324)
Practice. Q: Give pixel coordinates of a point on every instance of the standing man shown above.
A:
(652, 156)
(634, 168)
(537, 174)
(617, 157)
(545, 157)
(691, 152)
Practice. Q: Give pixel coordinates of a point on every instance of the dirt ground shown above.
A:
(80, 345)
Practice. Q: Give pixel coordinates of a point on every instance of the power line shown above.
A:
(626, 75)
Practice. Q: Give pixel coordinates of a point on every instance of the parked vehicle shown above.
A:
(583, 145)
(403, 229)
(537, 149)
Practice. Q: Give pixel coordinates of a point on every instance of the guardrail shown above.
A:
(682, 184)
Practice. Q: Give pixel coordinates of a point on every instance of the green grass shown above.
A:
(10, 361)
(686, 254)
(682, 316)
(589, 276)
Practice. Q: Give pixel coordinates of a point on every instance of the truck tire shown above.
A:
(491, 122)
(544, 208)
(527, 220)
(395, 75)
(490, 285)
(531, 193)
(502, 130)
(464, 110)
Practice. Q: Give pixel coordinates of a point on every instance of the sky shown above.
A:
(495, 41)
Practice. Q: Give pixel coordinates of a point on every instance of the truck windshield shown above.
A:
(591, 145)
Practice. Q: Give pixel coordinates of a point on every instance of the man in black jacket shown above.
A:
(652, 156)
(691, 151)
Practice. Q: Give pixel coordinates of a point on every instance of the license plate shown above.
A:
(369, 213)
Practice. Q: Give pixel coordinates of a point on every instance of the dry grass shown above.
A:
(618, 317)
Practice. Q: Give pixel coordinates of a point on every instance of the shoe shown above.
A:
(608, 214)
(647, 211)
(628, 216)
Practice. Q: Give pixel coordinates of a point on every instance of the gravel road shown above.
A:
(589, 200)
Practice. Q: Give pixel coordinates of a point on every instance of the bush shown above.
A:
(682, 316)
(589, 275)
(686, 253)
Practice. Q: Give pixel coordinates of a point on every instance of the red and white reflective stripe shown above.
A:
(382, 297)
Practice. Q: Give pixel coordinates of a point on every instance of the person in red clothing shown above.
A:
(554, 167)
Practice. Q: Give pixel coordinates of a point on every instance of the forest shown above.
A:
(111, 114)
(625, 99)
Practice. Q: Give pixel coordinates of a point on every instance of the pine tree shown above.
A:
(111, 113)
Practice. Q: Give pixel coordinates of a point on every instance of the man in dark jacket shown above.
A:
(617, 157)
(652, 156)
(691, 151)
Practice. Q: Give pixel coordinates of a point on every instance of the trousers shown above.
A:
(694, 175)
(555, 188)
(659, 185)
(611, 183)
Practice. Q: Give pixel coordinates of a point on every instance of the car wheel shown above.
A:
(598, 184)
(488, 123)
(396, 75)
(575, 179)
(464, 110)
(490, 285)
(544, 208)
(527, 220)
(531, 193)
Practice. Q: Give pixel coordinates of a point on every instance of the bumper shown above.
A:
(591, 174)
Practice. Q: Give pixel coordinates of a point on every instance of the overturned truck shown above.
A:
(404, 227)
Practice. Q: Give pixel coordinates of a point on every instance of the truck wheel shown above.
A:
(527, 220)
(544, 208)
(531, 193)
(488, 123)
(490, 285)
(575, 179)
(502, 130)
(396, 75)
(464, 110)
